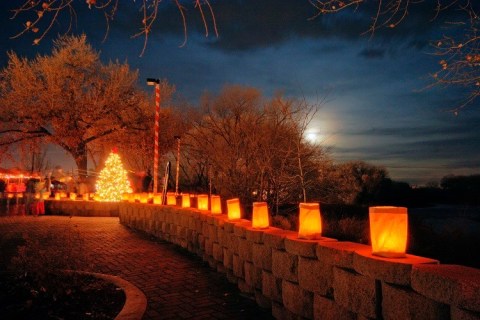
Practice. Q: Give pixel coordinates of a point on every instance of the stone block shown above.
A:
(354, 292)
(254, 235)
(391, 270)
(228, 226)
(280, 313)
(238, 266)
(253, 276)
(302, 247)
(404, 303)
(456, 285)
(315, 276)
(338, 253)
(244, 287)
(231, 277)
(228, 258)
(240, 228)
(220, 220)
(297, 300)
(460, 314)
(262, 300)
(208, 247)
(262, 256)
(285, 265)
(275, 238)
(212, 233)
(231, 242)
(324, 308)
(217, 252)
(245, 249)
(271, 286)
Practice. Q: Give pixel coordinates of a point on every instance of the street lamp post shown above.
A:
(178, 163)
(156, 83)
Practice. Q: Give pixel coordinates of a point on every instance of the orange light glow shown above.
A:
(260, 218)
(144, 197)
(185, 200)
(233, 206)
(45, 195)
(216, 204)
(57, 196)
(171, 199)
(202, 202)
(388, 231)
(85, 197)
(310, 222)
(73, 196)
(157, 198)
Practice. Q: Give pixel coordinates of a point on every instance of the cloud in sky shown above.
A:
(376, 110)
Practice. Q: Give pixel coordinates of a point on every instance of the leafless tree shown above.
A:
(252, 147)
(39, 16)
(458, 52)
(69, 98)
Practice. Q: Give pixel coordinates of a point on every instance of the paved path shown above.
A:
(178, 285)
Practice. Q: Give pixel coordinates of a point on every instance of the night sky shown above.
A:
(378, 107)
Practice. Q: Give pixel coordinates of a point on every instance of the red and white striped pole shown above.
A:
(156, 82)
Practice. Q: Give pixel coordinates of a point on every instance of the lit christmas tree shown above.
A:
(112, 182)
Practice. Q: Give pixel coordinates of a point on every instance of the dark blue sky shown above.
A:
(378, 108)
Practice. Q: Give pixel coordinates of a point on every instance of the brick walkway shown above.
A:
(177, 284)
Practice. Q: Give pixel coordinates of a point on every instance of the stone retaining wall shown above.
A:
(82, 208)
(321, 279)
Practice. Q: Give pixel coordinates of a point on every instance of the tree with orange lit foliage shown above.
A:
(113, 182)
(459, 52)
(71, 99)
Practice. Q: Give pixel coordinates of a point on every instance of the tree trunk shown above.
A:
(81, 159)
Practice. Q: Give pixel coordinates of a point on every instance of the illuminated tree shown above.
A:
(71, 99)
(113, 182)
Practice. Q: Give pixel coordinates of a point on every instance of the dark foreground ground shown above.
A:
(178, 285)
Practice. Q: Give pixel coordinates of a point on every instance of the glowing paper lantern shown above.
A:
(216, 204)
(310, 222)
(73, 196)
(85, 197)
(388, 231)
(144, 197)
(260, 218)
(57, 196)
(185, 200)
(202, 202)
(157, 199)
(126, 197)
(45, 195)
(171, 199)
(233, 206)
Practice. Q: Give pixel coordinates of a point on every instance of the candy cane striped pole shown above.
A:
(156, 82)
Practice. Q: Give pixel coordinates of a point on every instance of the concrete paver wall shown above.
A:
(313, 279)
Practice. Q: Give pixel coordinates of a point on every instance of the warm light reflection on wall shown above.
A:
(202, 202)
(233, 206)
(388, 231)
(310, 222)
(260, 218)
(216, 204)
(185, 200)
(171, 199)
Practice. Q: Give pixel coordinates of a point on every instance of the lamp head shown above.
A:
(152, 81)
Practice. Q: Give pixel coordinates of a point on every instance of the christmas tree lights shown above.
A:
(112, 182)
